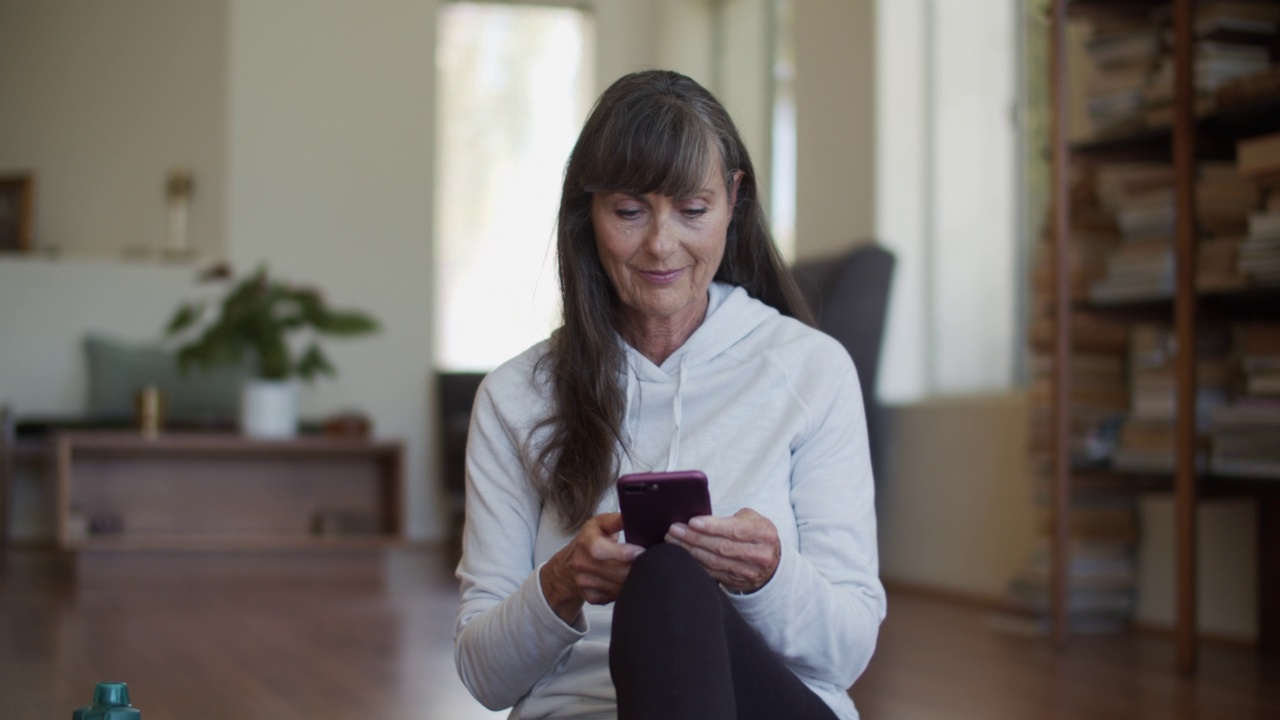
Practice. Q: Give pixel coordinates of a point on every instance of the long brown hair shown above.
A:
(654, 131)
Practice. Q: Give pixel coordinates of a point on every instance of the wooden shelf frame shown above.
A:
(1186, 487)
(1192, 137)
(363, 467)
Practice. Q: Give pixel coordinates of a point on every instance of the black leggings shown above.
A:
(681, 650)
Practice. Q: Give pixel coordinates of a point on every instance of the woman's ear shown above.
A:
(735, 179)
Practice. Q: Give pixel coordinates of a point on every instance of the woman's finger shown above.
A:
(734, 575)
(740, 552)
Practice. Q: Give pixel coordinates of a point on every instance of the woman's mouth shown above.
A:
(661, 277)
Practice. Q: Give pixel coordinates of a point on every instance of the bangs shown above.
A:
(663, 147)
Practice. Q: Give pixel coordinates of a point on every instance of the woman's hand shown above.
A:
(740, 552)
(590, 568)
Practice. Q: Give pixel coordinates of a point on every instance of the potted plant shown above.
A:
(276, 327)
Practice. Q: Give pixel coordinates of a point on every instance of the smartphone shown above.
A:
(651, 502)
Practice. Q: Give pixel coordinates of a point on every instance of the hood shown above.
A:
(732, 315)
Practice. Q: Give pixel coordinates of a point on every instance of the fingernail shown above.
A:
(678, 530)
(698, 523)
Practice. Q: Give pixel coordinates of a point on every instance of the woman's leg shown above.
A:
(681, 650)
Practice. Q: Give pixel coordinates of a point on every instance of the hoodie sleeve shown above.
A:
(822, 610)
(506, 636)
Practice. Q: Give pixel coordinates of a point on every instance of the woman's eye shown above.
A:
(694, 212)
(628, 213)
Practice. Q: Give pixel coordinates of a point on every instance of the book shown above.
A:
(1112, 522)
(1237, 16)
(1089, 332)
(1256, 338)
(1264, 225)
(1259, 155)
(1140, 46)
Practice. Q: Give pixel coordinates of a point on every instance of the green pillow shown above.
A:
(117, 370)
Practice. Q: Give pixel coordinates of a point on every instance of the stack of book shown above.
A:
(1142, 198)
(1126, 51)
(1099, 343)
(1219, 61)
(1243, 27)
(1245, 435)
(1258, 159)
(1146, 442)
(1224, 199)
(1248, 90)
(1101, 572)
(1259, 255)
(1138, 270)
(1088, 256)
(1131, 64)
(1233, 39)
(1218, 265)
(1237, 19)
(1099, 397)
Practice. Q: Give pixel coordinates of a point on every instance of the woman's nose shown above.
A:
(661, 240)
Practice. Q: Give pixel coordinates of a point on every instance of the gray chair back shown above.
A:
(849, 296)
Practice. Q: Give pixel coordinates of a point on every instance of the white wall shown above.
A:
(102, 101)
(329, 181)
(835, 125)
(954, 501)
(743, 77)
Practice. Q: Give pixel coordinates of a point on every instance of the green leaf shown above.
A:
(313, 362)
(186, 315)
(349, 322)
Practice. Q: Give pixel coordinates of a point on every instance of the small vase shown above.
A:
(269, 409)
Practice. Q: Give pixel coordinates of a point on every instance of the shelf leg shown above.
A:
(1269, 572)
(1186, 491)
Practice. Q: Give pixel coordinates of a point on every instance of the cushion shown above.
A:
(117, 370)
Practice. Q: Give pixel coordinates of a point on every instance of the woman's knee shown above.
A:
(666, 578)
(665, 563)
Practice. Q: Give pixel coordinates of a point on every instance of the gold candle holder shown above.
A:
(149, 410)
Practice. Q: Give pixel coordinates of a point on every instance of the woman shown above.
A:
(679, 350)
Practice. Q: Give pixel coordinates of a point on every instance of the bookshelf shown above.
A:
(1216, 87)
(188, 492)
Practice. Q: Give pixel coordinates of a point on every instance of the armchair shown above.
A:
(849, 295)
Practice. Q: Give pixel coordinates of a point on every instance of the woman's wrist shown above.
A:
(562, 597)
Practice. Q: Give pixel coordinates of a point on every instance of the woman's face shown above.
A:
(661, 252)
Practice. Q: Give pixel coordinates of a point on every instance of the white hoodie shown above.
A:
(770, 409)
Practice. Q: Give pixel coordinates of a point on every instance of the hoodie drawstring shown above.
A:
(673, 456)
(630, 410)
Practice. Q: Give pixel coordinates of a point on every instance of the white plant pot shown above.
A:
(269, 409)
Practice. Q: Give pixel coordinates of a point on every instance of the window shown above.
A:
(782, 211)
(513, 88)
(948, 194)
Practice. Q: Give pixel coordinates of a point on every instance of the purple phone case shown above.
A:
(651, 502)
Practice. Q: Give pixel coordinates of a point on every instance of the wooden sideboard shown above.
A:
(123, 492)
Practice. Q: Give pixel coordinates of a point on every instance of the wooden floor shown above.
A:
(303, 647)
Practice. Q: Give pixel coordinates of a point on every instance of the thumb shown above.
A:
(610, 522)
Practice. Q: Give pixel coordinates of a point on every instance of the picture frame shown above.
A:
(17, 209)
